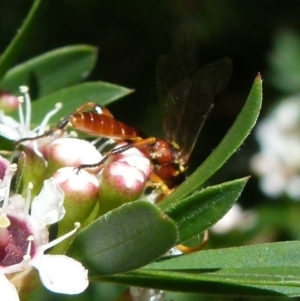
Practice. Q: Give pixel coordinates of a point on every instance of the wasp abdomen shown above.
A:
(102, 125)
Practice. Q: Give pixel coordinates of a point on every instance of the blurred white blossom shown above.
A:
(278, 162)
(146, 294)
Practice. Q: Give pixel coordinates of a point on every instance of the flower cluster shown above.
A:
(24, 238)
(64, 194)
(278, 162)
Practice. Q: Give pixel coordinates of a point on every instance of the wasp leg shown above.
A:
(186, 249)
(137, 143)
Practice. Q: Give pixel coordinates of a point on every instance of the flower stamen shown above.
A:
(20, 111)
(4, 223)
(27, 256)
(61, 238)
(28, 197)
(48, 116)
(24, 90)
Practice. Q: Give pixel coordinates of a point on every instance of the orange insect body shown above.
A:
(102, 125)
(165, 159)
(100, 122)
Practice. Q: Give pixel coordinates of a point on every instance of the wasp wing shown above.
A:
(188, 93)
(189, 103)
(179, 63)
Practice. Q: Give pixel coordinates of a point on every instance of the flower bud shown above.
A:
(71, 152)
(33, 169)
(123, 179)
(135, 158)
(81, 193)
(8, 102)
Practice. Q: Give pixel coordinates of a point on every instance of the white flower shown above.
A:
(278, 162)
(146, 294)
(24, 239)
(16, 130)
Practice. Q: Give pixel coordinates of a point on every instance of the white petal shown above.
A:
(47, 207)
(2, 190)
(62, 274)
(9, 132)
(9, 121)
(8, 291)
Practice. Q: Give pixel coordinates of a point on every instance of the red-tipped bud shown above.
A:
(8, 102)
(81, 193)
(71, 152)
(123, 179)
(135, 158)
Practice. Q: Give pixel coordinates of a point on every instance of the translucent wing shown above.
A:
(179, 63)
(188, 92)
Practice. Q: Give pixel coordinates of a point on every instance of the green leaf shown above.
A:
(19, 42)
(204, 208)
(285, 61)
(260, 270)
(73, 97)
(51, 71)
(233, 282)
(282, 254)
(230, 143)
(124, 239)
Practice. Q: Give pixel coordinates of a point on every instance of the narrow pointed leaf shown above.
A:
(260, 270)
(282, 254)
(204, 208)
(258, 282)
(230, 143)
(52, 71)
(19, 42)
(124, 239)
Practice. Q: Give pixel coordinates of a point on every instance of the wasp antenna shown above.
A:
(18, 142)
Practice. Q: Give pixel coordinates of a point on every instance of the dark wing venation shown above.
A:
(179, 63)
(188, 103)
(216, 75)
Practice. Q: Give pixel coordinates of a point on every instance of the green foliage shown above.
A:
(285, 61)
(52, 71)
(200, 210)
(124, 239)
(261, 270)
(10, 55)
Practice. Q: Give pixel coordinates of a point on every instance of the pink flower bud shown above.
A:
(8, 102)
(72, 152)
(81, 193)
(123, 179)
(134, 157)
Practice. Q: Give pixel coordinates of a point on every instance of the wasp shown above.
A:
(187, 93)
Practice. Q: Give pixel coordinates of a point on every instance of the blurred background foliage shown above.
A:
(259, 36)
